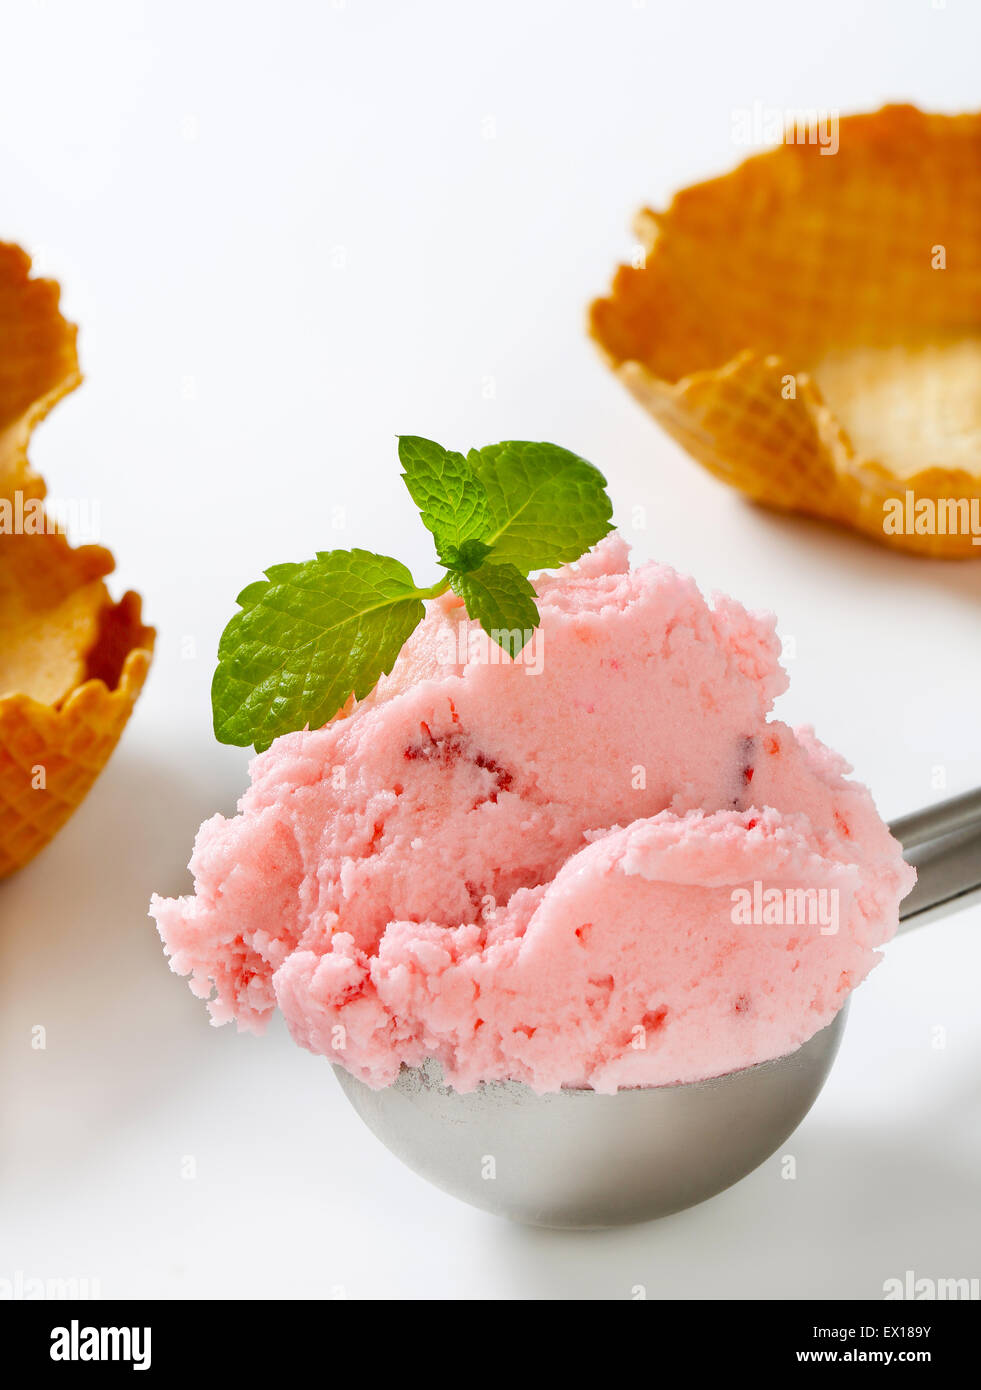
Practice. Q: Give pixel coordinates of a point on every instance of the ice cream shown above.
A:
(600, 865)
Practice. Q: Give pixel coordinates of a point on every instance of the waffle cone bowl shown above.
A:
(72, 661)
(808, 327)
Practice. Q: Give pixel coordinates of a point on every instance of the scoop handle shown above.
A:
(943, 843)
(933, 822)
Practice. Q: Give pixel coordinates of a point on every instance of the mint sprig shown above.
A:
(311, 635)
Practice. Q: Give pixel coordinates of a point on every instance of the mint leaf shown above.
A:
(451, 500)
(309, 636)
(545, 505)
(502, 600)
(467, 556)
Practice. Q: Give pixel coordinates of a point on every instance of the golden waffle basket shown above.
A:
(809, 327)
(72, 662)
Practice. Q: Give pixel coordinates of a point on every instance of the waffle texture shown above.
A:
(808, 326)
(72, 661)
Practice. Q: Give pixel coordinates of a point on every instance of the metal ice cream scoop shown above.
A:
(575, 1158)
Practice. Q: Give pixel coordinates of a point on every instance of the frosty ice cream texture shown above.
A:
(600, 865)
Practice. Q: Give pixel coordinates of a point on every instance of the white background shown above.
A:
(289, 232)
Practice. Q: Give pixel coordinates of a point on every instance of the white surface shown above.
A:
(287, 237)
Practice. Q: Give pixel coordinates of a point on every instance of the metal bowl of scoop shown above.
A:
(578, 1159)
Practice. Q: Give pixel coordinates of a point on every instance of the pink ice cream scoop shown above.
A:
(602, 865)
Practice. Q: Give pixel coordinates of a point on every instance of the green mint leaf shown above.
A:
(502, 600)
(451, 500)
(546, 506)
(468, 556)
(308, 637)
